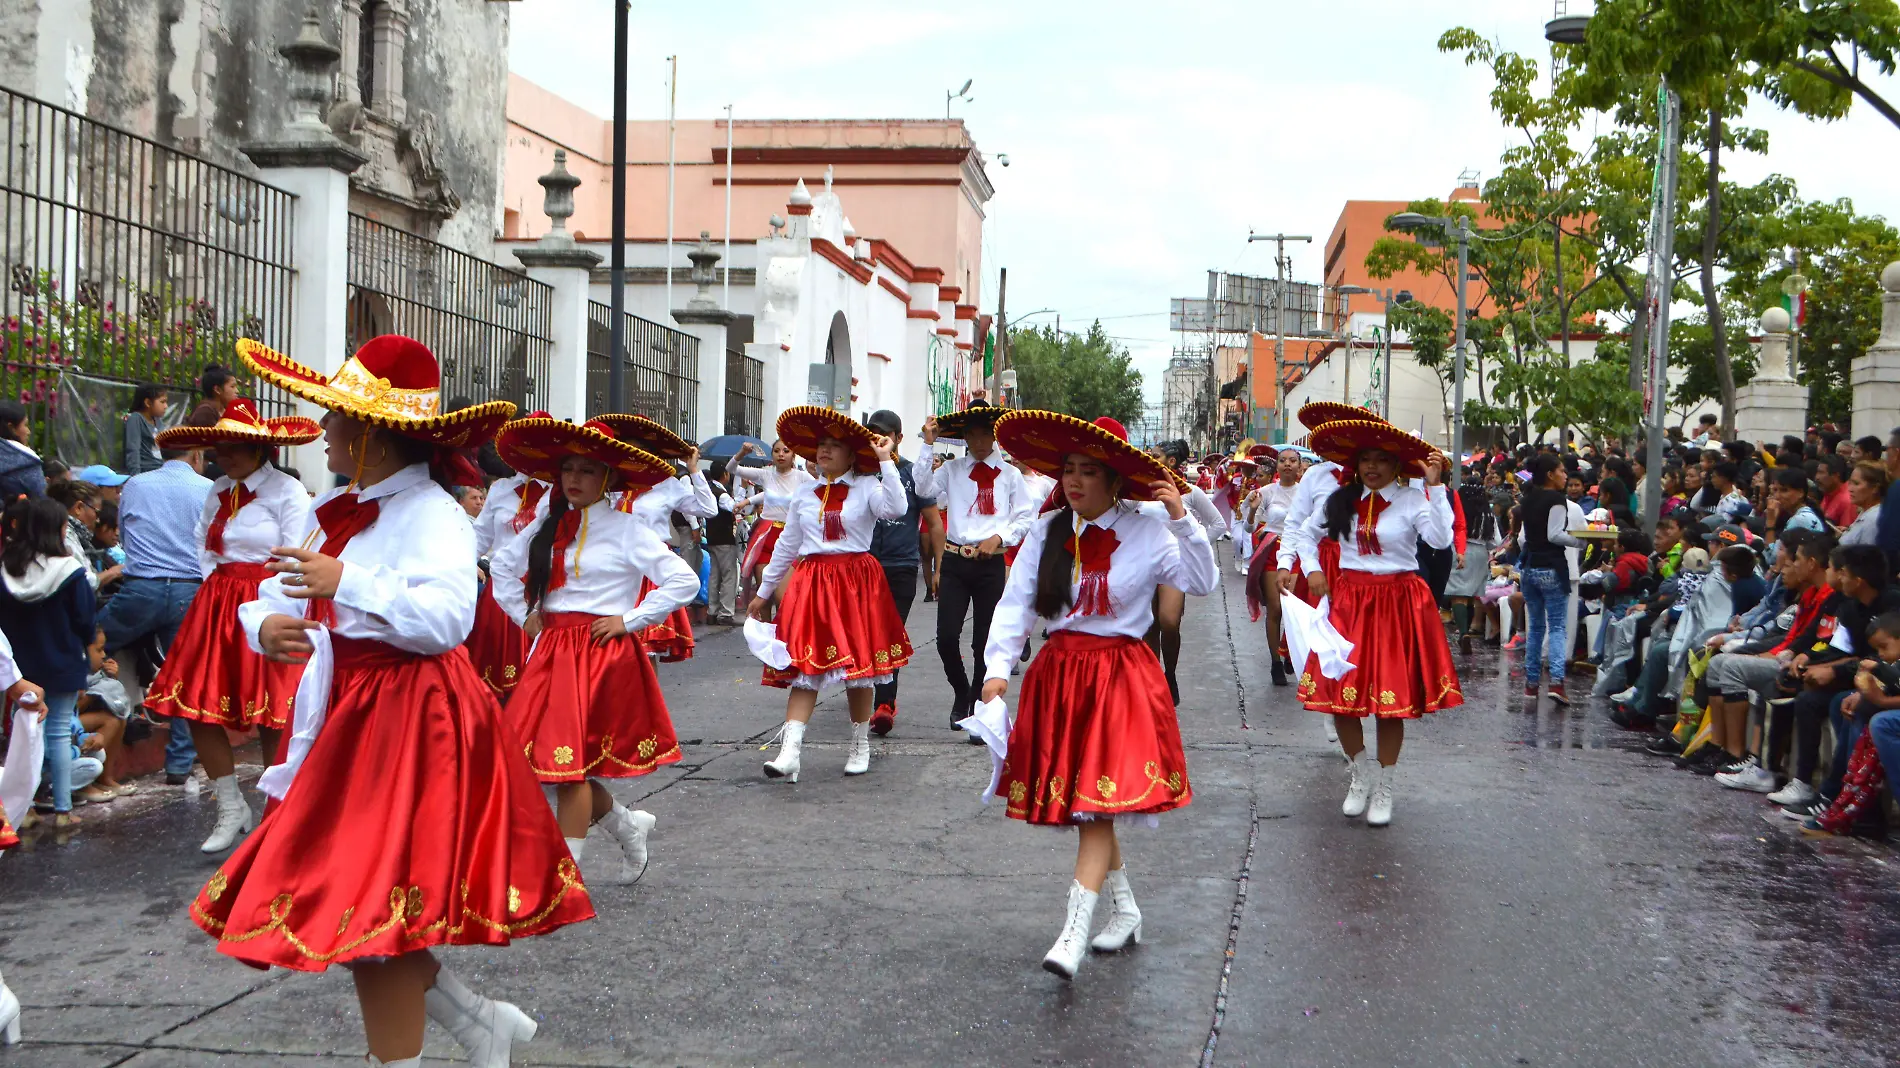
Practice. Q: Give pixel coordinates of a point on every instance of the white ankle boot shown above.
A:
(629, 827)
(1124, 923)
(1066, 955)
(484, 1029)
(1358, 784)
(1332, 730)
(791, 740)
(857, 760)
(575, 846)
(234, 815)
(9, 1016)
(1379, 813)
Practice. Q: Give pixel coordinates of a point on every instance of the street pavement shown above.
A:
(1546, 895)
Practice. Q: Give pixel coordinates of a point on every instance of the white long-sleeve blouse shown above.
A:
(278, 515)
(868, 499)
(612, 551)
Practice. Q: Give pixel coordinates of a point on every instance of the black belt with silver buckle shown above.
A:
(968, 552)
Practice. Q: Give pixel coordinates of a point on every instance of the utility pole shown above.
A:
(1283, 266)
(1002, 336)
(1662, 233)
(1458, 363)
(672, 98)
(617, 289)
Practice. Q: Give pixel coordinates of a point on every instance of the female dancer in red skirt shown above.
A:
(496, 646)
(211, 677)
(1402, 664)
(835, 613)
(406, 817)
(777, 485)
(1271, 502)
(671, 638)
(1095, 738)
(13, 690)
(589, 706)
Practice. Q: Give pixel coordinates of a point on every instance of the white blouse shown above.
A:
(871, 498)
(1410, 515)
(278, 515)
(495, 526)
(687, 496)
(1296, 553)
(612, 551)
(1149, 552)
(955, 493)
(1275, 501)
(778, 489)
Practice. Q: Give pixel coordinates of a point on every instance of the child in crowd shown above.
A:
(1876, 689)
(103, 709)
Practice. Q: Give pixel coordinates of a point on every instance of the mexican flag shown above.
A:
(1796, 305)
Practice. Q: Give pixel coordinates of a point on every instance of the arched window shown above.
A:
(366, 79)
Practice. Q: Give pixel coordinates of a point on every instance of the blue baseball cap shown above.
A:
(100, 475)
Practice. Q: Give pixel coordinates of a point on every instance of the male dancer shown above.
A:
(986, 509)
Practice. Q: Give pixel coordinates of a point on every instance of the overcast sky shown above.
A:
(1144, 139)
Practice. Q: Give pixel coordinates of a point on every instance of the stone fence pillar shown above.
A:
(706, 320)
(558, 262)
(1874, 377)
(1772, 404)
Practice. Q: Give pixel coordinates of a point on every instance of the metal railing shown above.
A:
(745, 394)
(662, 370)
(491, 328)
(128, 261)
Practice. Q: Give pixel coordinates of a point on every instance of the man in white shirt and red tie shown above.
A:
(986, 509)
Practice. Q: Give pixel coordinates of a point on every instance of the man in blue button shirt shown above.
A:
(158, 529)
(897, 546)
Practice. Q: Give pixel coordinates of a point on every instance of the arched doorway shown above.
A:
(831, 380)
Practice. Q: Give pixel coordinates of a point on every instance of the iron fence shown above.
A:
(127, 261)
(662, 370)
(490, 327)
(745, 394)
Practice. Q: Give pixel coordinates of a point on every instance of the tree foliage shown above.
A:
(1084, 375)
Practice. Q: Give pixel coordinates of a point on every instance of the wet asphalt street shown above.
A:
(1546, 895)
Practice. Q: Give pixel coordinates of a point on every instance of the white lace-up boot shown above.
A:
(486, 1030)
(1379, 812)
(234, 815)
(9, 1016)
(574, 848)
(1358, 783)
(857, 760)
(629, 827)
(791, 740)
(1332, 730)
(1124, 922)
(1066, 955)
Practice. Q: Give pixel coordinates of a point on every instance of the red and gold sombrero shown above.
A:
(1264, 453)
(1044, 440)
(648, 434)
(1316, 414)
(803, 427)
(980, 413)
(392, 381)
(240, 424)
(1343, 441)
(535, 446)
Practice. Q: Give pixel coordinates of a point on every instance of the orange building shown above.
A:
(1362, 223)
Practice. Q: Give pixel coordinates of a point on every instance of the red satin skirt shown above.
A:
(758, 551)
(837, 618)
(1095, 734)
(210, 674)
(496, 646)
(586, 710)
(1403, 664)
(671, 637)
(413, 822)
(8, 839)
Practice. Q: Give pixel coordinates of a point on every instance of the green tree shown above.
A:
(1084, 375)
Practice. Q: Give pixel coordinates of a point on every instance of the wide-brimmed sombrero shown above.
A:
(1343, 441)
(803, 427)
(392, 381)
(1316, 414)
(980, 413)
(240, 424)
(535, 446)
(648, 434)
(1264, 453)
(1044, 441)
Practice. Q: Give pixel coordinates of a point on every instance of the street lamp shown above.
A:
(962, 94)
(1345, 337)
(1389, 298)
(1413, 222)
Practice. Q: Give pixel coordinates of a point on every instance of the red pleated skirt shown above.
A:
(210, 674)
(1402, 663)
(671, 637)
(1095, 734)
(496, 646)
(836, 616)
(758, 551)
(413, 822)
(587, 710)
(8, 839)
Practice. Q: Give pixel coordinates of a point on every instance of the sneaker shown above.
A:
(1630, 720)
(1663, 745)
(1795, 793)
(1725, 764)
(1711, 757)
(1516, 643)
(1813, 827)
(1808, 809)
(1557, 694)
(1623, 698)
(1752, 777)
(1530, 691)
(883, 719)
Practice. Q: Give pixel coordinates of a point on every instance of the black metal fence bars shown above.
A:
(489, 326)
(662, 370)
(745, 394)
(128, 260)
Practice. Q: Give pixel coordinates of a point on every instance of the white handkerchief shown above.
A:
(762, 638)
(308, 710)
(20, 779)
(989, 720)
(1309, 631)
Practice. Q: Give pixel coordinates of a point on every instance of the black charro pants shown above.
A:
(903, 584)
(968, 585)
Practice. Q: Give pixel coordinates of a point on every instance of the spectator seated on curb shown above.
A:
(1857, 807)
(103, 711)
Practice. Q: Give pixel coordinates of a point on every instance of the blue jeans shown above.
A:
(1846, 734)
(1886, 731)
(1546, 606)
(146, 608)
(57, 769)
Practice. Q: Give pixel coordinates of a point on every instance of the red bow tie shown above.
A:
(228, 508)
(564, 534)
(341, 518)
(531, 493)
(831, 497)
(985, 478)
(1092, 562)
